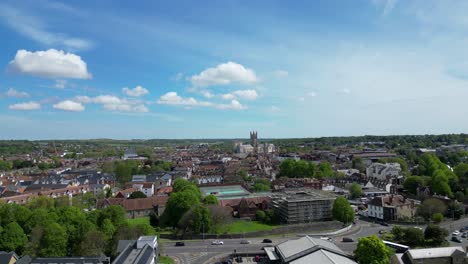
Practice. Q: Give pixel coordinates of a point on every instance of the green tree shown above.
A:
(460, 196)
(431, 206)
(371, 250)
(54, 241)
(260, 215)
(137, 195)
(412, 183)
(325, 170)
(44, 202)
(355, 190)
(93, 244)
(461, 170)
(413, 237)
(182, 185)
(177, 205)
(210, 200)
(123, 172)
(5, 165)
(342, 210)
(13, 238)
(435, 235)
(108, 229)
(437, 217)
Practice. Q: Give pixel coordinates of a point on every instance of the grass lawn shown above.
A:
(140, 220)
(165, 260)
(241, 226)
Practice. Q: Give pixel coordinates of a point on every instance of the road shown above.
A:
(199, 252)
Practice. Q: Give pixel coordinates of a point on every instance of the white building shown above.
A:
(382, 171)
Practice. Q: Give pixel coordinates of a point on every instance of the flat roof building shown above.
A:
(303, 206)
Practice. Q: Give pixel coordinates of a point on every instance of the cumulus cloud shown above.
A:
(12, 92)
(172, 98)
(228, 96)
(69, 105)
(234, 105)
(50, 64)
(224, 74)
(135, 92)
(207, 94)
(243, 94)
(25, 106)
(114, 103)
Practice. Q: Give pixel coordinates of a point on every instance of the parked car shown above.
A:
(382, 231)
(384, 224)
(347, 239)
(462, 230)
(267, 240)
(456, 233)
(464, 235)
(180, 244)
(217, 242)
(456, 239)
(245, 242)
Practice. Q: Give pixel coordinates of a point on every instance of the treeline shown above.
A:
(6, 165)
(43, 228)
(431, 171)
(303, 169)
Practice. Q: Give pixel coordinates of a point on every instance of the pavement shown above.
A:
(201, 251)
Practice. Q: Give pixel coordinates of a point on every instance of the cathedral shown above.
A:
(254, 147)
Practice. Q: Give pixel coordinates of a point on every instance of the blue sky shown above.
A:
(218, 69)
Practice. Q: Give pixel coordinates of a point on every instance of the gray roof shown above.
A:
(433, 252)
(323, 257)
(69, 260)
(294, 251)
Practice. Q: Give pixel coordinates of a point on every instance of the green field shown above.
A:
(141, 220)
(165, 260)
(241, 226)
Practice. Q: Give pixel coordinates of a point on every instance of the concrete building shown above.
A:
(383, 171)
(391, 208)
(443, 255)
(307, 250)
(142, 251)
(303, 206)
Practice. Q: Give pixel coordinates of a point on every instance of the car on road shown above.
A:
(179, 244)
(462, 230)
(217, 242)
(384, 224)
(347, 239)
(465, 235)
(267, 240)
(456, 239)
(382, 231)
(245, 242)
(456, 233)
(326, 238)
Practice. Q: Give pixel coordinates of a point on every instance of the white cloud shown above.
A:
(234, 105)
(281, 73)
(207, 94)
(34, 28)
(69, 105)
(311, 94)
(25, 106)
(135, 92)
(246, 94)
(50, 64)
(224, 74)
(172, 98)
(228, 96)
(60, 84)
(12, 92)
(243, 94)
(114, 103)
